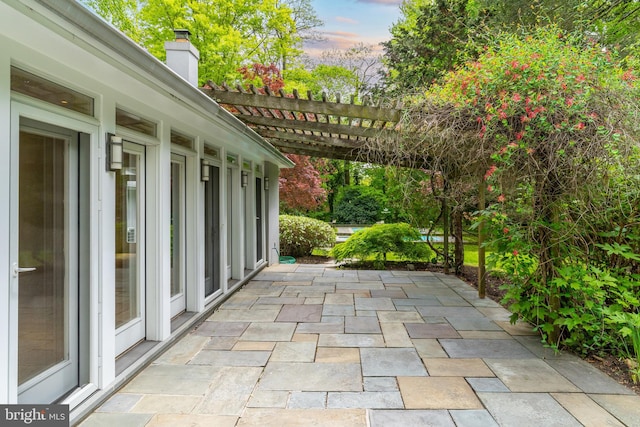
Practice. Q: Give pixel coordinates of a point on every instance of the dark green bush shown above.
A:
(358, 205)
(299, 235)
(401, 239)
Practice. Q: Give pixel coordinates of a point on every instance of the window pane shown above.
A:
(37, 87)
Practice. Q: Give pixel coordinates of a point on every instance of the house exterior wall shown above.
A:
(55, 44)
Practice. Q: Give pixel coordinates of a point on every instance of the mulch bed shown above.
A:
(610, 365)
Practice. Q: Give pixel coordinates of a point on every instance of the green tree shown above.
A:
(431, 38)
(122, 14)
(381, 239)
(228, 33)
(358, 205)
(362, 63)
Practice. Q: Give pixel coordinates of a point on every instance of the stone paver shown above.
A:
(303, 345)
(300, 313)
(367, 399)
(437, 393)
(470, 348)
(308, 400)
(472, 418)
(624, 408)
(431, 330)
(526, 375)
(423, 418)
(527, 410)
(585, 410)
(294, 352)
(384, 362)
(361, 325)
(438, 367)
(301, 417)
(263, 331)
(337, 355)
(311, 377)
(231, 358)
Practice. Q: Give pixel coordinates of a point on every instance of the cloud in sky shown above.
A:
(339, 40)
(346, 20)
(352, 22)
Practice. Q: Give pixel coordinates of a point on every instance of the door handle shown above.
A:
(17, 270)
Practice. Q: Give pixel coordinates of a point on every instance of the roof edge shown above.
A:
(104, 33)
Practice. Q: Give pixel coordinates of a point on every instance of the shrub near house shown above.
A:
(299, 235)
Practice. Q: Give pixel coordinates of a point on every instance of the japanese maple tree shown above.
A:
(301, 187)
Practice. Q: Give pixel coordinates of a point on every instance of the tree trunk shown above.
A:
(459, 247)
(445, 233)
(549, 261)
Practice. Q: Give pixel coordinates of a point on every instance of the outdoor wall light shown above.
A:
(114, 152)
(244, 181)
(266, 182)
(204, 170)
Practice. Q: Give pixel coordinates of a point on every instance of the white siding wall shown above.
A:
(63, 54)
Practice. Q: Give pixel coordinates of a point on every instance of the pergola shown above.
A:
(319, 128)
(335, 130)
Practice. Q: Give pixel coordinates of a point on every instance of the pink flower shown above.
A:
(515, 253)
(569, 102)
(490, 172)
(580, 126)
(519, 135)
(505, 230)
(501, 198)
(516, 97)
(490, 188)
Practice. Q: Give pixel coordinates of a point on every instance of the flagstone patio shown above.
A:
(305, 345)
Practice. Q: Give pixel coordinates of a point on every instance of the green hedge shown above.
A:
(299, 235)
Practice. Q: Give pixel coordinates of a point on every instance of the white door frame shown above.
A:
(135, 330)
(77, 124)
(178, 301)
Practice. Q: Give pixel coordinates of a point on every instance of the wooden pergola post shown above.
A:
(481, 252)
(445, 234)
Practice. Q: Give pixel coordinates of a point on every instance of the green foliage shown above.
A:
(358, 205)
(379, 240)
(551, 121)
(409, 193)
(228, 34)
(629, 329)
(300, 235)
(430, 39)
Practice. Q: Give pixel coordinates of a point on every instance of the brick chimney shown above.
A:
(182, 56)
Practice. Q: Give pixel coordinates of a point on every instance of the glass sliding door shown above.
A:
(130, 250)
(212, 233)
(47, 267)
(230, 222)
(178, 300)
(259, 235)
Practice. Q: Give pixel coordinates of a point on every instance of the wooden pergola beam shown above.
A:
(327, 141)
(303, 105)
(319, 127)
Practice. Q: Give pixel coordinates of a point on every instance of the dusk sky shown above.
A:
(349, 22)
